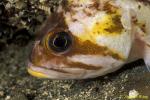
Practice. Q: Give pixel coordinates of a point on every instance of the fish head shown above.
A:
(83, 39)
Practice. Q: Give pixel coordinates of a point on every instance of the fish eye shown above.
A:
(60, 41)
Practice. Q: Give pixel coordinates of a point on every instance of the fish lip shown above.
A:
(39, 72)
(32, 70)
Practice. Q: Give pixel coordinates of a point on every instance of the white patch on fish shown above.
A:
(98, 60)
(117, 43)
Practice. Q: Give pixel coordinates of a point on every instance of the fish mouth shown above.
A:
(42, 72)
(36, 74)
(61, 74)
(36, 71)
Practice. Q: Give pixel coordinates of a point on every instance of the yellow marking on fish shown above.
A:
(83, 1)
(37, 74)
(110, 24)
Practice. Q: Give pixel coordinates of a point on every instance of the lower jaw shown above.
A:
(36, 73)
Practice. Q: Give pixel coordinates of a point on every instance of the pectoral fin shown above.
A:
(147, 57)
(147, 39)
(148, 68)
(141, 47)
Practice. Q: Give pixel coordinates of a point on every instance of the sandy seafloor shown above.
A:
(17, 84)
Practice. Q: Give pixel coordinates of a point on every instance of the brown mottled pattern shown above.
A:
(78, 48)
(82, 66)
(49, 57)
(40, 60)
(85, 48)
(49, 25)
(145, 1)
(143, 28)
(89, 48)
(58, 70)
(104, 5)
(117, 27)
(109, 8)
(148, 45)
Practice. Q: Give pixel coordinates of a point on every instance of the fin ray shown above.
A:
(148, 68)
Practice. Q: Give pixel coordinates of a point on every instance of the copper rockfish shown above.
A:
(90, 38)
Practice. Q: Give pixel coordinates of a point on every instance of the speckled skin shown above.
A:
(105, 34)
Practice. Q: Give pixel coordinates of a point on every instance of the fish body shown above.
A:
(90, 38)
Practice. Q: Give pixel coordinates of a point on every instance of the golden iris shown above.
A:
(59, 42)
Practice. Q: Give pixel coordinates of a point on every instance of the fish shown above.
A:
(91, 38)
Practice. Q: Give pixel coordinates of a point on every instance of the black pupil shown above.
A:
(60, 42)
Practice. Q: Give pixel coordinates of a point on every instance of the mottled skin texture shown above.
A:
(102, 32)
